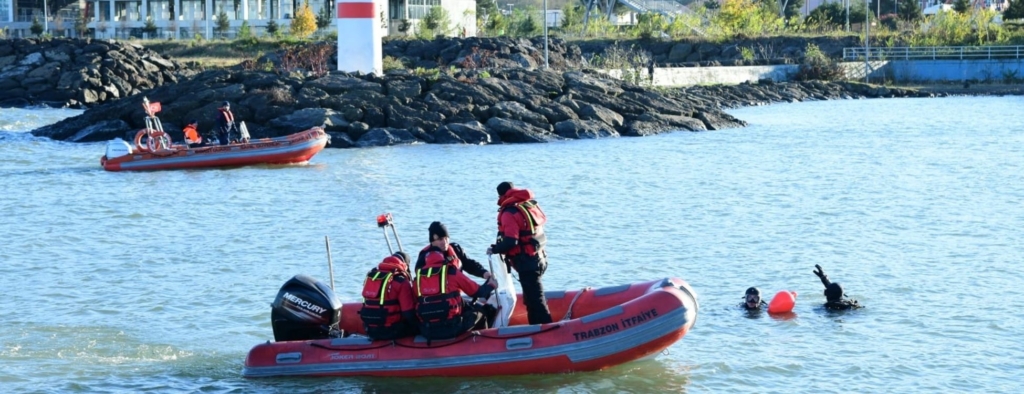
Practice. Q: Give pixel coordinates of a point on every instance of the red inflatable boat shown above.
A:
(598, 328)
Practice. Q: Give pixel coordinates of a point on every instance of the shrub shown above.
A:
(818, 66)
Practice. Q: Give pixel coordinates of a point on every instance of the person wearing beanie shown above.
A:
(752, 300)
(439, 284)
(440, 243)
(521, 239)
(225, 123)
(835, 299)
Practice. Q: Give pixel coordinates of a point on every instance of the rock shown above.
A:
(597, 112)
(339, 140)
(385, 136)
(584, 129)
(337, 83)
(302, 120)
(518, 131)
(463, 133)
(101, 131)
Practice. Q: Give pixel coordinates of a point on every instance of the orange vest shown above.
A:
(191, 134)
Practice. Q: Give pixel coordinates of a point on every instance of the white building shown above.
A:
(185, 19)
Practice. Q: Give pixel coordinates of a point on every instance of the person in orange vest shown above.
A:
(192, 137)
(225, 123)
(440, 309)
(521, 240)
(389, 308)
(440, 242)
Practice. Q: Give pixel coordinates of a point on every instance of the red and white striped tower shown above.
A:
(359, 47)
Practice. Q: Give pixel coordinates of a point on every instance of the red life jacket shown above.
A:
(380, 305)
(437, 299)
(531, 236)
(449, 255)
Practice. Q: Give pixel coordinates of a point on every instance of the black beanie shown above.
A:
(402, 255)
(504, 187)
(437, 229)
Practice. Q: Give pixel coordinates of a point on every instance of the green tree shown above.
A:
(304, 23)
(961, 6)
(828, 14)
(528, 27)
(437, 20)
(792, 8)
(150, 27)
(272, 27)
(222, 23)
(80, 26)
(650, 25)
(36, 28)
(712, 5)
(910, 10)
(1015, 10)
(324, 19)
(572, 18)
(244, 31)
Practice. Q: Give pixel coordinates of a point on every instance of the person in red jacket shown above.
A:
(440, 242)
(440, 309)
(521, 239)
(389, 307)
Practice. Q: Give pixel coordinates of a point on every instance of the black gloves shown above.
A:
(819, 272)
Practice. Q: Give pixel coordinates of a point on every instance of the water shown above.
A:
(160, 282)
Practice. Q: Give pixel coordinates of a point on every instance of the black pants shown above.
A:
(473, 317)
(222, 137)
(401, 329)
(530, 270)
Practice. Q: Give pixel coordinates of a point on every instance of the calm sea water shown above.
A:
(160, 282)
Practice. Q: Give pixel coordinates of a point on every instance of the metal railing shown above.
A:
(935, 53)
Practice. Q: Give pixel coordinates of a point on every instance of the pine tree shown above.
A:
(961, 6)
(1015, 10)
(324, 19)
(910, 10)
(222, 23)
(36, 28)
(271, 27)
(304, 23)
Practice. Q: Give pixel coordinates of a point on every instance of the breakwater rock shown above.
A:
(766, 92)
(474, 106)
(78, 72)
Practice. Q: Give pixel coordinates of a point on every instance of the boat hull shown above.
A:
(294, 148)
(607, 332)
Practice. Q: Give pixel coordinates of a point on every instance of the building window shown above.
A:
(5, 8)
(419, 8)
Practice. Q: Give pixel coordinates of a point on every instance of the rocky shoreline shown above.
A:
(513, 103)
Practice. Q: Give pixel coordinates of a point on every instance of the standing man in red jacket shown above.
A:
(521, 239)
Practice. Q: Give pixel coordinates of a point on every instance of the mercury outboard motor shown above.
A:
(305, 308)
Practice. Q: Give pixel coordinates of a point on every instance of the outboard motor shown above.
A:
(305, 308)
(117, 148)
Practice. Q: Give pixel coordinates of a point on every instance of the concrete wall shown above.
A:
(940, 70)
(897, 71)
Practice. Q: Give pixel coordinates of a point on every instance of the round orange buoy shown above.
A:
(783, 302)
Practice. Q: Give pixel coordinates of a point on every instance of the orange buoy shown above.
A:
(783, 302)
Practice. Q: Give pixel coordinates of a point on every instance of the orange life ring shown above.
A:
(157, 140)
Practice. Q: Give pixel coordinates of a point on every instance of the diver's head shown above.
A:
(753, 297)
(834, 292)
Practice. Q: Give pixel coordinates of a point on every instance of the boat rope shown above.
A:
(527, 334)
(568, 311)
(317, 345)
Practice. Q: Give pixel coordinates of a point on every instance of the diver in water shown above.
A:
(835, 299)
(752, 300)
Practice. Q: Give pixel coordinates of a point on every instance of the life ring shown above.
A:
(157, 140)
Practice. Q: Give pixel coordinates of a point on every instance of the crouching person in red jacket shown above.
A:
(389, 307)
